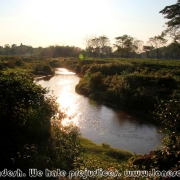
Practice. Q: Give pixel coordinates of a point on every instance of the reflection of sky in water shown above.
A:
(98, 122)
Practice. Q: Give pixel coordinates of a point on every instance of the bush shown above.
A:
(31, 134)
(43, 70)
(19, 62)
(96, 78)
(84, 69)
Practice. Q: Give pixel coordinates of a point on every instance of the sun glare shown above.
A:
(67, 99)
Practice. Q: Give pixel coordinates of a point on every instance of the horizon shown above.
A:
(68, 23)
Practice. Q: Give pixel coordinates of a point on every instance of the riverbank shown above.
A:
(116, 116)
(36, 67)
(99, 122)
(131, 85)
(102, 156)
(137, 87)
(90, 152)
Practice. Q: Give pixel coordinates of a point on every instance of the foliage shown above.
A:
(98, 47)
(129, 82)
(51, 51)
(168, 156)
(172, 12)
(43, 69)
(156, 42)
(168, 113)
(31, 133)
(124, 44)
(60, 51)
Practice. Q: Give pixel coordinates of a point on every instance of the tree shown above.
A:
(173, 32)
(173, 13)
(107, 50)
(103, 43)
(95, 44)
(123, 44)
(88, 44)
(13, 49)
(138, 47)
(148, 49)
(98, 46)
(1, 50)
(157, 42)
(7, 48)
(31, 50)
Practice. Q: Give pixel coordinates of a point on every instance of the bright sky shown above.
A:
(68, 22)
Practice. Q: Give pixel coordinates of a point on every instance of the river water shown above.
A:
(99, 122)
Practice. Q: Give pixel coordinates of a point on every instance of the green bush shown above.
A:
(84, 69)
(96, 79)
(31, 134)
(42, 69)
(19, 62)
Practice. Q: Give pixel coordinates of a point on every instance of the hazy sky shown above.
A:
(68, 22)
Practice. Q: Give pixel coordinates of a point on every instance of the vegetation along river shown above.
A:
(99, 122)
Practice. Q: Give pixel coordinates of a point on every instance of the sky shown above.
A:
(70, 22)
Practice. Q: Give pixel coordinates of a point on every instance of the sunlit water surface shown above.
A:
(98, 122)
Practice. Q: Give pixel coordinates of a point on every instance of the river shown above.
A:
(99, 122)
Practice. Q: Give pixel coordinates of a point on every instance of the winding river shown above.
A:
(99, 122)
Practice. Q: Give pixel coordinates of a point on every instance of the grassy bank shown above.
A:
(103, 156)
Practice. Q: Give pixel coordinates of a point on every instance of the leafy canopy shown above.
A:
(173, 13)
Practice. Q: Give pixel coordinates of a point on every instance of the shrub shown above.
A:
(43, 70)
(31, 134)
(96, 78)
(19, 62)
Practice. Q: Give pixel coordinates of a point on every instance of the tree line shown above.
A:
(125, 46)
(51, 51)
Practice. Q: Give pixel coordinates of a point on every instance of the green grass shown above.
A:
(102, 156)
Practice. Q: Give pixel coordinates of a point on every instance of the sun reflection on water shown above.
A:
(67, 100)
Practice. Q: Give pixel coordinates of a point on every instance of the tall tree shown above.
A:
(95, 44)
(173, 13)
(1, 49)
(7, 48)
(124, 44)
(173, 32)
(31, 50)
(98, 46)
(138, 47)
(103, 43)
(157, 42)
(13, 49)
(148, 50)
(88, 44)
